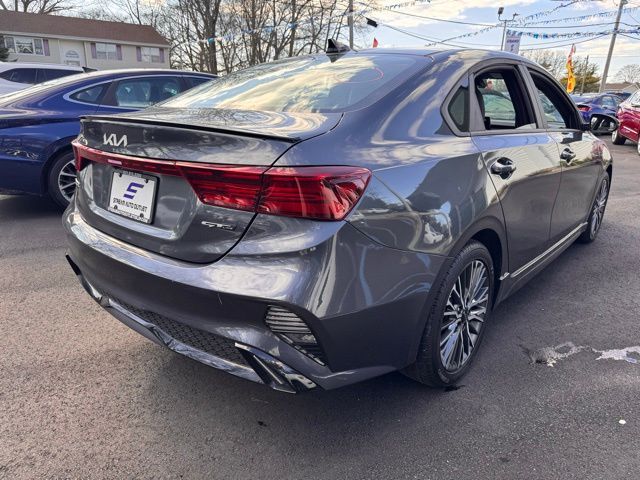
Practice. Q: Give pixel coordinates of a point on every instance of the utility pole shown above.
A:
(504, 26)
(350, 21)
(607, 64)
(584, 74)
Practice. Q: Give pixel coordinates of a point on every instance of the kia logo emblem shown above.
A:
(112, 139)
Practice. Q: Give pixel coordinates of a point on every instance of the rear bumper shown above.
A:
(363, 302)
(232, 357)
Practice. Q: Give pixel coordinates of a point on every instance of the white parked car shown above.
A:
(15, 76)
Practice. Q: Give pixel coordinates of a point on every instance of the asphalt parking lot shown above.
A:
(82, 396)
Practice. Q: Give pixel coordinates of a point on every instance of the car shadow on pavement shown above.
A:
(20, 207)
(359, 414)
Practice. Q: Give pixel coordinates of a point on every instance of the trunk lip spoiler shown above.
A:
(117, 120)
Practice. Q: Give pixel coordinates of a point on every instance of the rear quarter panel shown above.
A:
(429, 186)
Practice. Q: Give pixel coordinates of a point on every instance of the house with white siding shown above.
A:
(32, 37)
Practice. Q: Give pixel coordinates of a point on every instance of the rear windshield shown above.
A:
(307, 84)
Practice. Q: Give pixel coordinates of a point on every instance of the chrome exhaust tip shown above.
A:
(274, 373)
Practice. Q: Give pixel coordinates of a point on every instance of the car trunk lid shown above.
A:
(157, 159)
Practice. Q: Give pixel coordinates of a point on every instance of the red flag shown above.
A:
(375, 42)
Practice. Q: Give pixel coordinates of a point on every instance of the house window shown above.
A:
(151, 55)
(24, 45)
(106, 51)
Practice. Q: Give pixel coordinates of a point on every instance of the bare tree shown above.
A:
(552, 61)
(36, 6)
(221, 36)
(629, 73)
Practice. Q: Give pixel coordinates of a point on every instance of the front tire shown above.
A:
(61, 183)
(616, 138)
(457, 319)
(597, 213)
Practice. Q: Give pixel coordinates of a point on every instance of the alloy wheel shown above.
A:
(464, 316)
(599, 206)
(67, 180)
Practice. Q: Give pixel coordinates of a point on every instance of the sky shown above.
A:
(627, 50)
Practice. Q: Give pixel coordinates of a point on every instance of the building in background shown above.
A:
(32, 37)
(626, 87)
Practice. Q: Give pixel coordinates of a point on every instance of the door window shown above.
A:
(142, 92)
(557, 109)
(609, 101)
(503, 103)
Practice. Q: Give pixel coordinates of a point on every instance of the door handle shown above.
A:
(568, 155)
(503, 167)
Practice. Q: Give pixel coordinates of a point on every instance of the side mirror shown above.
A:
(602, 124)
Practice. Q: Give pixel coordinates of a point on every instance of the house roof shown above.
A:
(624, 86)
(59, 26)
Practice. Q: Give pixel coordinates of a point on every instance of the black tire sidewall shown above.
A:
(52, 180)
(431, 370)
(616, 138)
(587, 236)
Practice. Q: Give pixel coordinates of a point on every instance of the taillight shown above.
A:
(321, 193)
(584, 108)
(225, 186)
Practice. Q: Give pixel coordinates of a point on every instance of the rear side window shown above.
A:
(307, 84)
(459, 109)
(558, 111)
(88, 95)
(20, 75)
(142, 92)
(503, 103)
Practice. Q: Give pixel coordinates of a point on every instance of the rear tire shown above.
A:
(457, 319)
(616, 138)
(61, 181)
(596, 215)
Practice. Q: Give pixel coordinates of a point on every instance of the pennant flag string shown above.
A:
(581, 18)
(544, 35)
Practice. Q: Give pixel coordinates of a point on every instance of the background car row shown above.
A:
(37, 124)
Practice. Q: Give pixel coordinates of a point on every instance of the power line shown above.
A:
(564, 45)
(459, 22)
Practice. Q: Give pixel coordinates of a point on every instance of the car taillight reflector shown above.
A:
(584, 108)
(321, 193)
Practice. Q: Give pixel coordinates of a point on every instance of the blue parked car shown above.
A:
(38, 124)
(604, 103)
